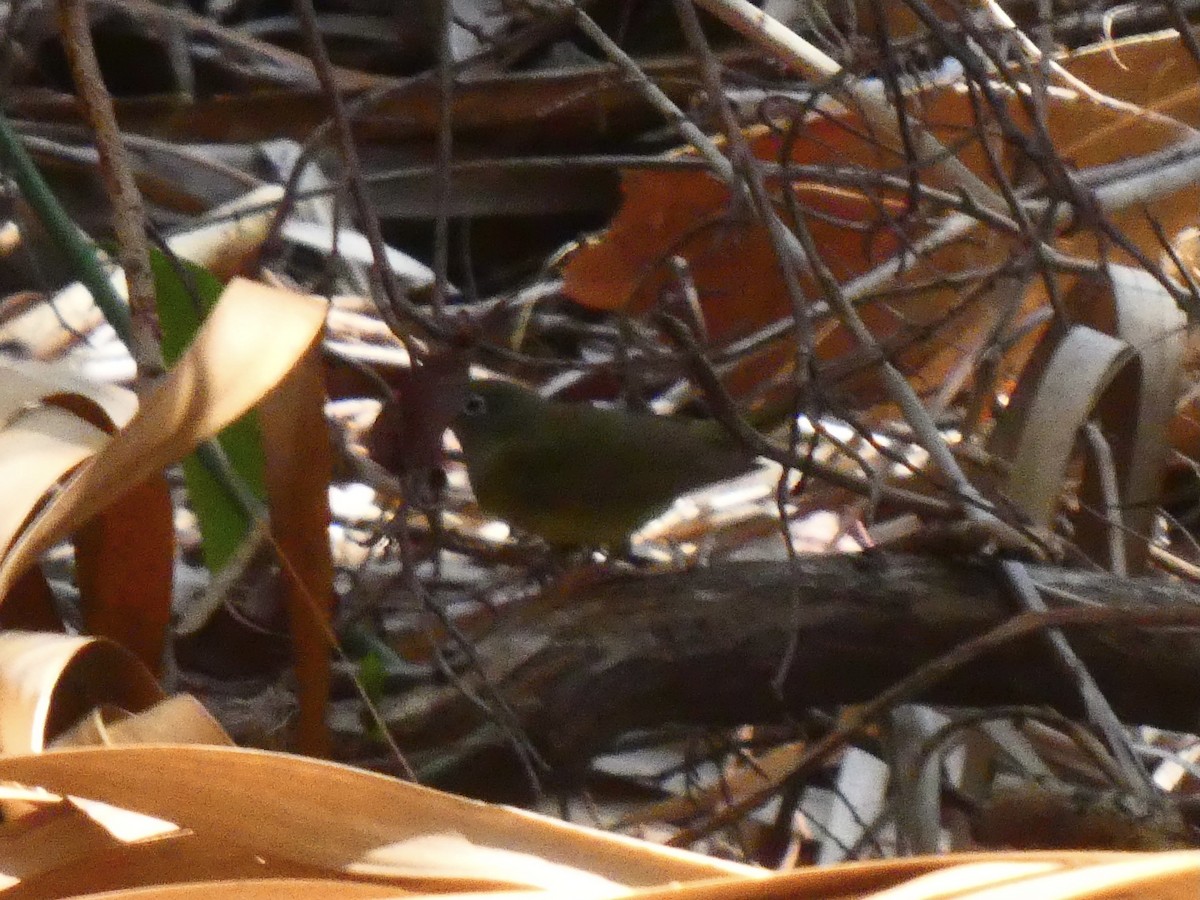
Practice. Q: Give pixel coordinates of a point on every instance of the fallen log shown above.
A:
(708, 647)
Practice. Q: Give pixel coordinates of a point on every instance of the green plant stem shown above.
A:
(70, 241)
(87, 267)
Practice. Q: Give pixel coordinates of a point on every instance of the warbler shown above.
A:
(583, 475)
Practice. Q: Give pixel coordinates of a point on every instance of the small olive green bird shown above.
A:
(578, 474)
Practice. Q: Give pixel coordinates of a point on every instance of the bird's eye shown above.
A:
(474, 405)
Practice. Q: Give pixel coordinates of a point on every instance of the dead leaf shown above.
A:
(49, 681)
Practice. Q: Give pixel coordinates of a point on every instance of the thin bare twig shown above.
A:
(395, 296)
(445, 156)
(801, 248)
(926, 677)
(129, 215)
(790, 48)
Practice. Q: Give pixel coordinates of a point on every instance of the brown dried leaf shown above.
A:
(226, 371)
(299, 465)
(925, 329)
(49, 681)
(1128, 378)
(181, 719)
(343, 821)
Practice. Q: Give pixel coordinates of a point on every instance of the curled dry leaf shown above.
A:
(181, 719)
(49, 681)
(116, 493)
(325, 820)
(226, 370)
(995, 876)
(1129, 376)
(299, 465)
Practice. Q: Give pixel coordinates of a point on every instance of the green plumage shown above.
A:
(577, 474)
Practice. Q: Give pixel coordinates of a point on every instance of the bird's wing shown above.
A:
(594, 476)
(546, 488)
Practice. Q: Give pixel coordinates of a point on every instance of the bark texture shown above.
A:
(705, 647)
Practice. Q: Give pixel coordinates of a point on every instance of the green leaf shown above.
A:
(186, 293)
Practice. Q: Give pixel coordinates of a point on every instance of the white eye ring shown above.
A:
(474, 405)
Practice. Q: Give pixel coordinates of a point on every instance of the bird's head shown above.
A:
(495, 412)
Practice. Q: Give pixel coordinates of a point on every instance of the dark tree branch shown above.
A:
(703, 647)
